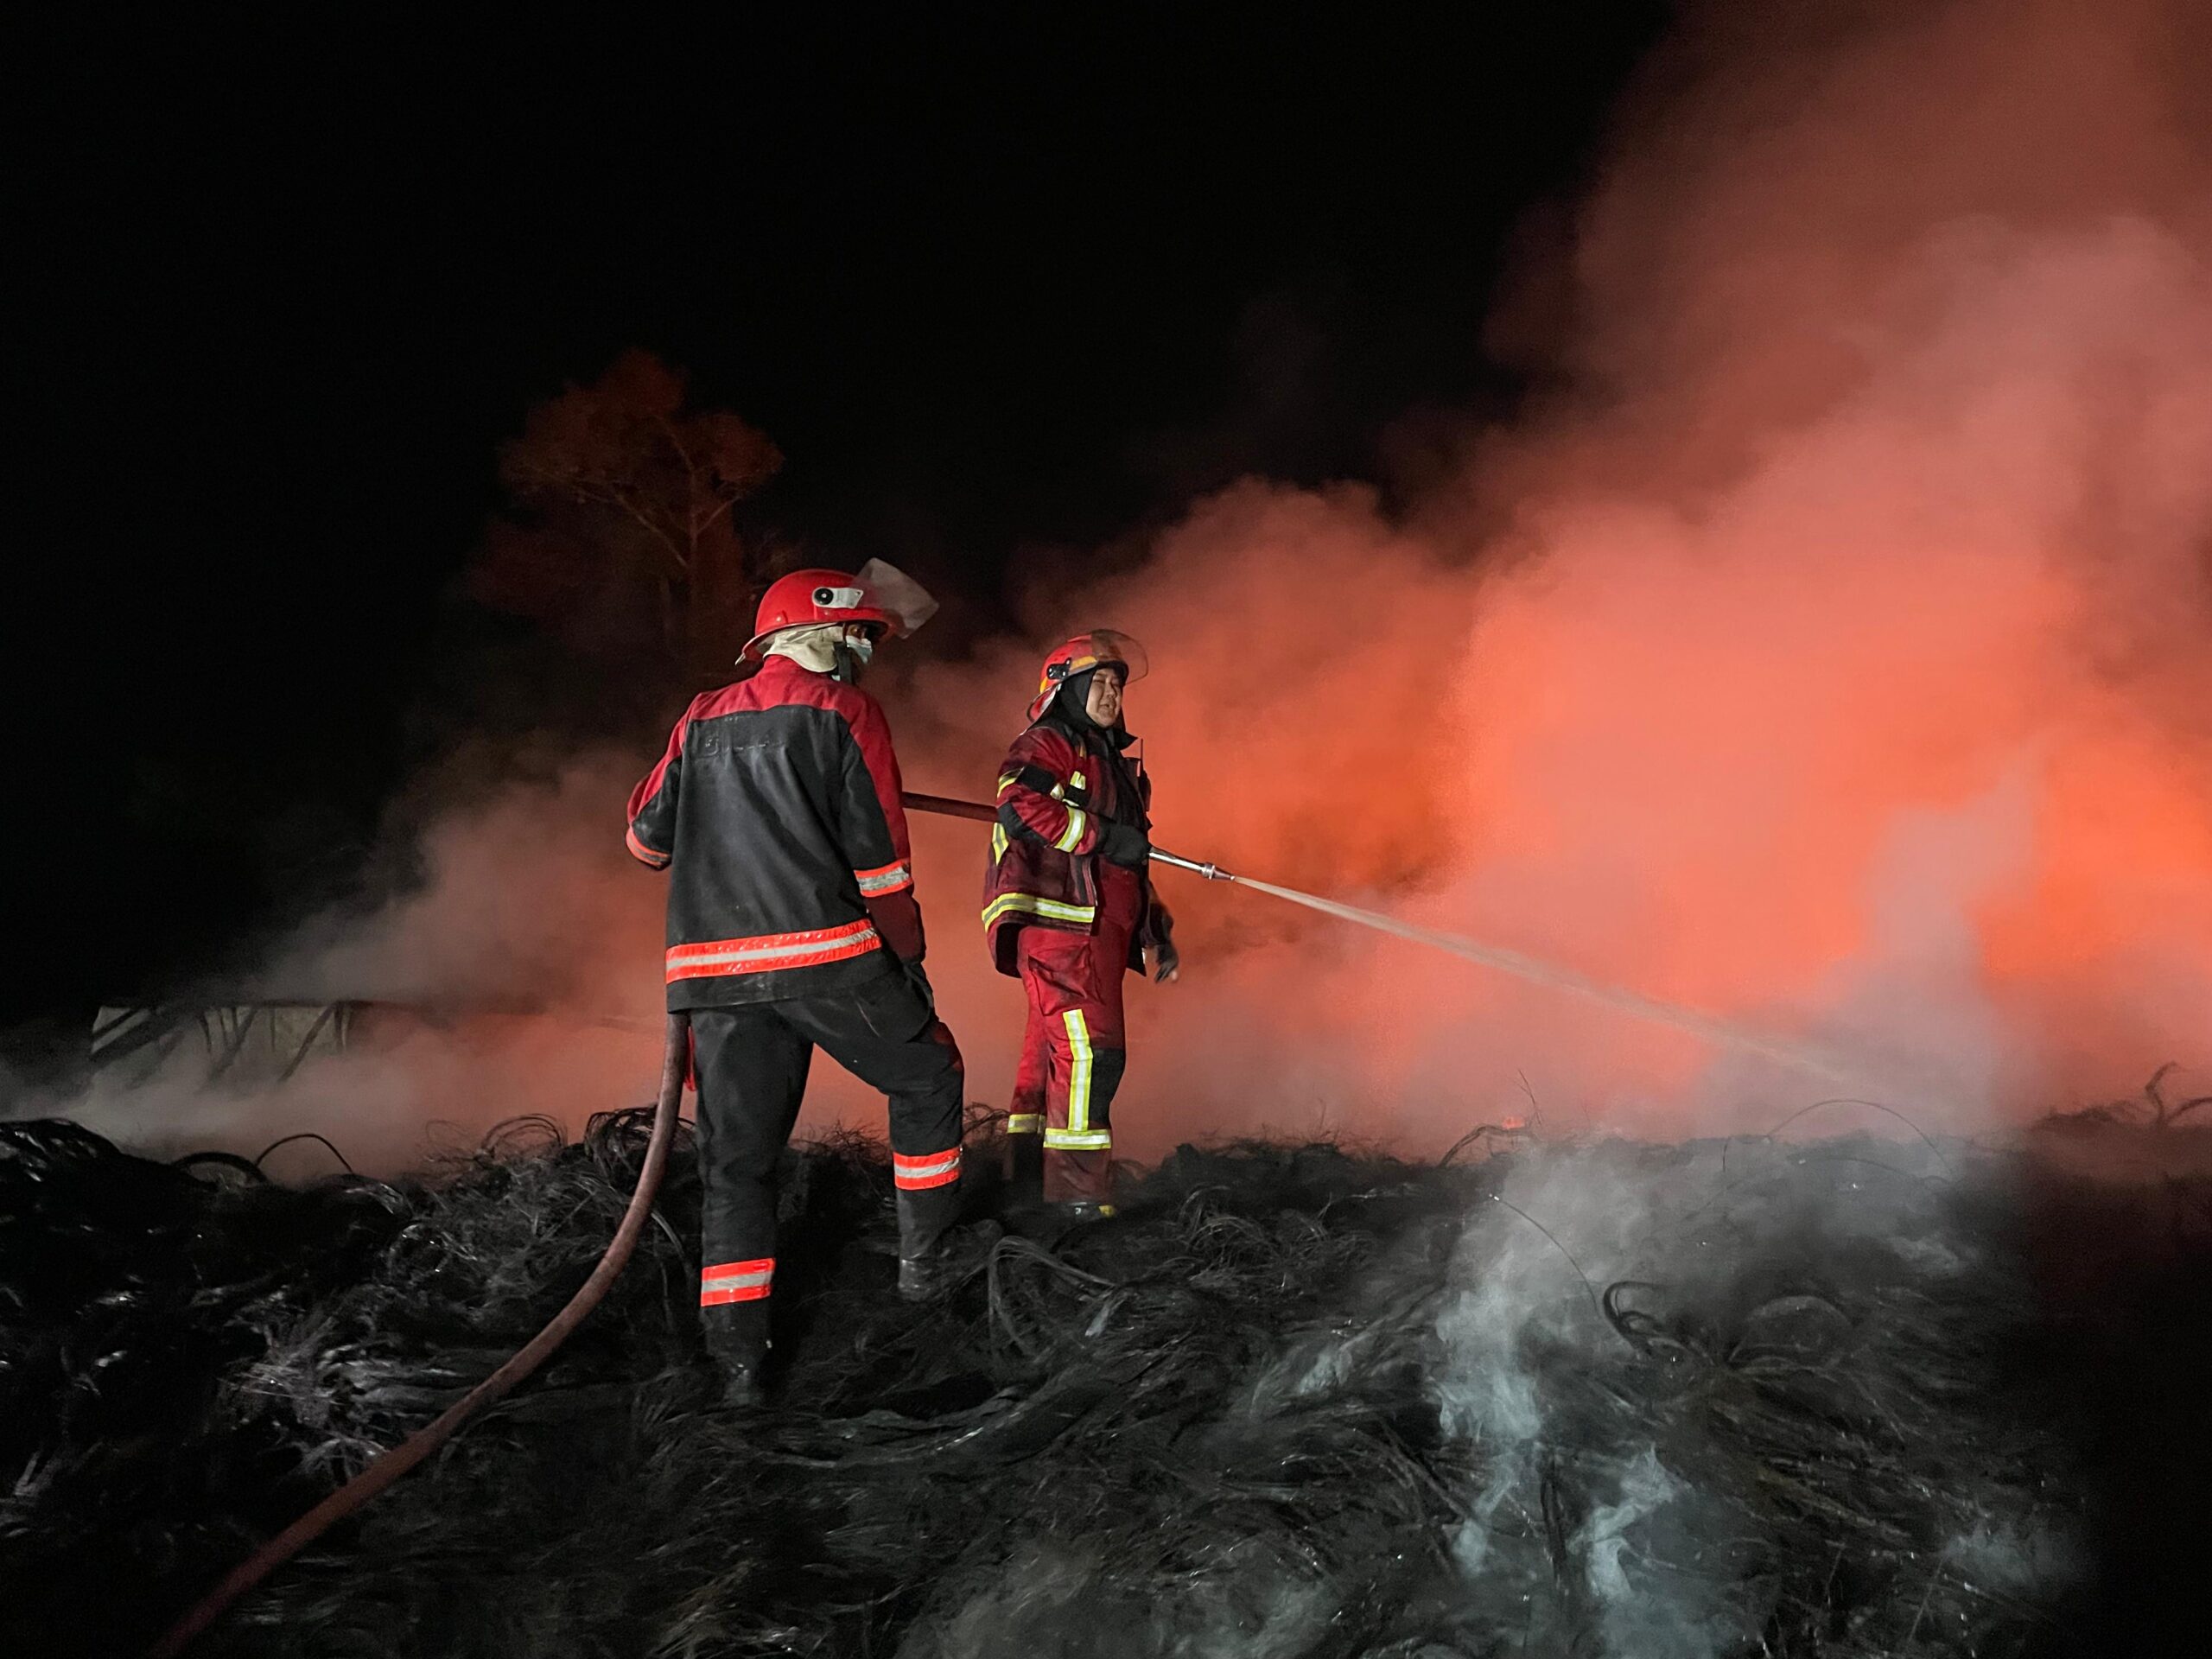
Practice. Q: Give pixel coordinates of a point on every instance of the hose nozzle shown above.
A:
(1209, 872)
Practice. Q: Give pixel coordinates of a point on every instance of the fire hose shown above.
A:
(946, 806)
(388, 1466)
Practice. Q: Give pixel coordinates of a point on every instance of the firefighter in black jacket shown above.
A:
(792, 922)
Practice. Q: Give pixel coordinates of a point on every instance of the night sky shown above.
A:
(990, 286)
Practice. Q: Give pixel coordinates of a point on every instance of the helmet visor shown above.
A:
(897, 592)
(1112, 645)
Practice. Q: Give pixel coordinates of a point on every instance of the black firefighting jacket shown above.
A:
(1063, 781)
(776, 813)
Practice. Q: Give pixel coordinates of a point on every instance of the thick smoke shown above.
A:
(1827, 651)
(1840, 663)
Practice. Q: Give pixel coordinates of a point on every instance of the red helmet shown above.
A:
(806, 599)
(1100, 648)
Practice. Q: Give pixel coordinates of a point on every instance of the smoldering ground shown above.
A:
(1842, 1397)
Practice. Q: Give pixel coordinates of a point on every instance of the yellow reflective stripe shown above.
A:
(1007, 779)
(1024, 1122)
(1078, 821)
(998, 842)
(1050, 909)
(1079, 1072)
(1074, 780)
(1080, 1140)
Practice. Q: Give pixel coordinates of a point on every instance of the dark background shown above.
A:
(992, 286)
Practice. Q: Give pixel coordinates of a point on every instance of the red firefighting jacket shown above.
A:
(1062, 783)
(776, 813)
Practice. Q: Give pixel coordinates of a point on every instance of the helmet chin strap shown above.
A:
(851, 654)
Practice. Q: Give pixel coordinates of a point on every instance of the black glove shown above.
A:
(1165, 959)
(1124, 844)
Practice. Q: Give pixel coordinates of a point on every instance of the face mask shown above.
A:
(853, 653)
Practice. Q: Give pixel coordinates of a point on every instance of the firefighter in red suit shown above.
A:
(791, 925)
(1069, 907)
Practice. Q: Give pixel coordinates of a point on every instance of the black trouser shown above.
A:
(752, 1063)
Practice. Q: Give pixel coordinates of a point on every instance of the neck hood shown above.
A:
(1071, 707)
(823, 649)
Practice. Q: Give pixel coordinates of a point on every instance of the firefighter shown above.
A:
(1069, 908)
(792, 923)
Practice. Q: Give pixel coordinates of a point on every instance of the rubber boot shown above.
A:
(737, 1341)
(1024, 1172)
(934, 1255)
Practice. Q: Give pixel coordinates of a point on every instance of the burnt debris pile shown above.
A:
(1849, 1396)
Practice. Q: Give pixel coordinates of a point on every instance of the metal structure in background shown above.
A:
(233, 1043)
(238, 1043)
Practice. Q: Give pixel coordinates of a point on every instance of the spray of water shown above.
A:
(1796, 1053)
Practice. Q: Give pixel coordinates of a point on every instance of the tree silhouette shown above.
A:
(625, 541)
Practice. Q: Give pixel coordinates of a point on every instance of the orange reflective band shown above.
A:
(736, 1281)
(892, 878)
(644, 854)
(771, 951)
(931, 1169)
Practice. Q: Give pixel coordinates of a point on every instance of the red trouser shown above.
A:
(1073, 1049)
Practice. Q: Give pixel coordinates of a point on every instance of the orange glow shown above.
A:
(1844, 661)
(1835, 652)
